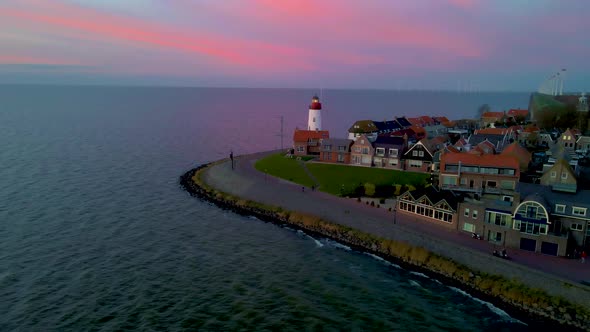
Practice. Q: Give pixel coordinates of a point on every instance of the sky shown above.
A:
(456, 45)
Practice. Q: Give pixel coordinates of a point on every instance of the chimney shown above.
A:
(405, 140)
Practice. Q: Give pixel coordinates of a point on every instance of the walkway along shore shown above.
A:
(544, 287)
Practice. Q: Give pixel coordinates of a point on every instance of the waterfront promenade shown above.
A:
(534, 269)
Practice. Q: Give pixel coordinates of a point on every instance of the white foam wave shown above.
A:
(492, 307)
(338, 245)
(419, 274)
(415, 283)
(317, 242)
(383, 260)
(252, 217)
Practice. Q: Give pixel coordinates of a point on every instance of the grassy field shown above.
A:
(333, 177)
(285, 168)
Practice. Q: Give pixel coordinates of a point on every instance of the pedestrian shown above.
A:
(313, 188)
(231, 157)
(583, 255)
(303, 189)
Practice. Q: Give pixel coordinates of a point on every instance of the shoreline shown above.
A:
(461, 277)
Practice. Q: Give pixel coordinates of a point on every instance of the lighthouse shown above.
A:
(314, 121)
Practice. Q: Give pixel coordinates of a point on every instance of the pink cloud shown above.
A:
(465, 4)
(24, 59)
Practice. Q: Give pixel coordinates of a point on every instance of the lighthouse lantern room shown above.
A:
(314, 121)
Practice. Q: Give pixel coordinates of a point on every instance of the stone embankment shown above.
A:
(522, 301)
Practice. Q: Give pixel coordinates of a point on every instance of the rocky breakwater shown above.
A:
(534, 305)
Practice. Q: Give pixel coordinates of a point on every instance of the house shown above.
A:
(484, 147)
(419, 157)
(440, 119)
(560, 177)
(430, 204)
(388, 151)
(363, 127)
(307, 142)
(416, 121)
(490, 118)
(529, 136)
(568, 217)
(479, 174)
(435, 130)
(583, 144)
(335, 150)
(520, 153)
(499, 141)
(567, 140)
(362, 152)
(518, 115)
(385, 127)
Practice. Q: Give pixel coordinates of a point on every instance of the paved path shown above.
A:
(535, 269)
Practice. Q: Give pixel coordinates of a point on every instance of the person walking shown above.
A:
(583, 255)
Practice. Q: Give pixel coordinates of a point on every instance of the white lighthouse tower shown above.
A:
(314, 121)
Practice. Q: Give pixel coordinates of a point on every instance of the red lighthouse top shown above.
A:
(315, 103)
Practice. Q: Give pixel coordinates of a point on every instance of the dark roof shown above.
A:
(389, 141)
(336, 142)
(579, 199)
(435, 196)
(387, 126)
(363, 126)
(478, 138)
(403, 122)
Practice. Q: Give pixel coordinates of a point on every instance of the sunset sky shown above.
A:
(386, 44)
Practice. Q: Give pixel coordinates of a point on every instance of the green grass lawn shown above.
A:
(286, 168)
(332, 177)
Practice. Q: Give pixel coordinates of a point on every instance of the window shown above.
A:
(578, 211)
(449, 180)
(380, 151)
(393, 152)
(559, 208)
(553, 174)
(365, 150)
(340, 158)
(421, 153)
(466, 213)
(362, 141)
(357, 149)
(577, 227)
(327, 147)
(415, 163)
(313, 119)
(463, 181)
(300, 149)
(327, 156)
(474, 214)
(415, 153)
(469, 227)
(393, 162)
(563, 175)
(507, 198)
(504, 184)
(492, 184)
(342, 148)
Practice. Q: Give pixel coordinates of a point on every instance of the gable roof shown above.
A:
(519, 152)
(426, 120)
(363, 126)
(518, 112)
(440, 119)
(305, 135)
(490, 160)
(583, 139)
(436, 196)
(486, 147)
(389, 141)
(497, 140)
(497, 115)
(425, 142)
(415, 121)
(403, 122)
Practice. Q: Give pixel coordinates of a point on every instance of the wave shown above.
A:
(338, 245)
(419, 274)
(503, 314)
(383, 260)
(415, 283)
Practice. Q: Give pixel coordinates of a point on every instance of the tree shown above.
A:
(369, 189)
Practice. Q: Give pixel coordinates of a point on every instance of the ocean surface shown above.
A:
(96, 234)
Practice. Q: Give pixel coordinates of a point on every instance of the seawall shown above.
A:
(530, 304)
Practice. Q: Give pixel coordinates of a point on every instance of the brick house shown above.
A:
(389, 151)
(335, 150)
(307, 142)
(479, 173)
(362, 151)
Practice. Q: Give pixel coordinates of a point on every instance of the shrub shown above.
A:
(382, 201)
(369, 189)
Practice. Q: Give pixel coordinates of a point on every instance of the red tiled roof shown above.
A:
(461, 142)
(402, 132)
(517, 112)
(493, 131)
(415, 121)
(441, 119)
(492, 115)
(486, 147)
(531, 129)
(426, 119)
(448, 124)
(418, 130)
(305, 135)
(516, 150)
(492, 160)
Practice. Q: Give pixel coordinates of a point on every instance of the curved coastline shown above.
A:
(552, 311)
